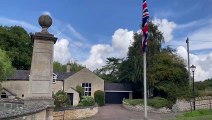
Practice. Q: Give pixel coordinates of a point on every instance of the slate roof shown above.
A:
(64, 75)
(24, 75)
(20, 75)
(12, 93)
(116, 87)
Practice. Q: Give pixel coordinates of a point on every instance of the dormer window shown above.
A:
(54, 78)
(4, 95)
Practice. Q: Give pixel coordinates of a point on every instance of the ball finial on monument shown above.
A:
(45, 22)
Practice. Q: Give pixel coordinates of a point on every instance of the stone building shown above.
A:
(18, 84)
(67, 81)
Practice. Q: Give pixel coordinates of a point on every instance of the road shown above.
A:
(117, 112)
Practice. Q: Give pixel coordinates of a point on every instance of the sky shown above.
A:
(89, 31)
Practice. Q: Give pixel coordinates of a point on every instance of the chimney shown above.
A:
(68, 67)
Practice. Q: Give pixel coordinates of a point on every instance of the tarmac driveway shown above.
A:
(117, 112)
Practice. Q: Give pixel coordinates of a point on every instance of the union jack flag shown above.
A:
(145, 26)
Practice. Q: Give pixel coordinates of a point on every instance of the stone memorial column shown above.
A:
(41, 73)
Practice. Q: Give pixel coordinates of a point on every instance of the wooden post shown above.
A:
(64, 115)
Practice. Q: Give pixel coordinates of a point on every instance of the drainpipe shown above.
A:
(63, 85)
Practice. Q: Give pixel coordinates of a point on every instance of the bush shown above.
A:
(134, 102)
(99, 97)
(87, 101)
(204, 93)
(61, 99)
(156, 102)
(80, 90)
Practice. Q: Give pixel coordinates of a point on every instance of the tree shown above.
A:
(6, 68)
(169, 76)
(58, 67)
(166, 72)
(131, 69)
(80, 90)
(109, 72)
(76, 67)
(204, 87)
(18, 46)
(61, 99)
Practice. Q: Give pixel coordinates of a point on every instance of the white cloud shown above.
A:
(199, 34)
(191, 24)
(166, 27)
(201, 38)
(46, 13)
(61, 51)
(11, 22)
(202, 62)
(98, 55)
(120, 43)
(75, 33)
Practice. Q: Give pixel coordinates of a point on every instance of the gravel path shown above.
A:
(117, 112)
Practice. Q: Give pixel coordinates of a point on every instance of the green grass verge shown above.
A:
(204, 114)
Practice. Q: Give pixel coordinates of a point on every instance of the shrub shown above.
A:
(61, 99)
(156, 102)
(80, 90)
(134, 102)
(87, 101)
(99, 97)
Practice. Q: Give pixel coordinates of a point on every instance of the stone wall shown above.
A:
(200, 103)
(25, 112)
(76, 113)
(149, 109)
(35, 116)
(19, 87)
(85, 76)
(76, 97)
(57, 86)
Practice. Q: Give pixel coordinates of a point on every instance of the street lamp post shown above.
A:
(193, 69)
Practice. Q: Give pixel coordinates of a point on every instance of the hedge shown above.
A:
(156, 102)
(99, 97)
(87, 101)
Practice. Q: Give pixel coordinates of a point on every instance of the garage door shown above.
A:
(115, 97)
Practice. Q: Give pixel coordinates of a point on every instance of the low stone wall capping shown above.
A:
(18, 101)
(75, 113)
(149, 109)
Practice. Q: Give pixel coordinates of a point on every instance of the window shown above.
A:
(87, 89)
(4, 95)
(54, 78)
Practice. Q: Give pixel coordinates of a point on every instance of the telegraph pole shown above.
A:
(189, 75)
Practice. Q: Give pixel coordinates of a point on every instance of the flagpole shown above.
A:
(145, 93)
(145, 17)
